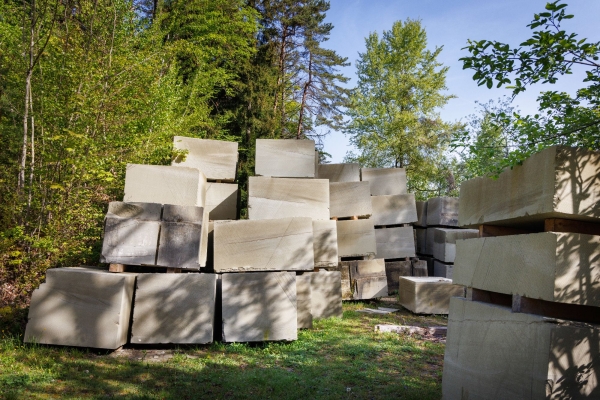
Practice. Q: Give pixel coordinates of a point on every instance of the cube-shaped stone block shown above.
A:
(395, 242)
(394, 270)
(442, 211)
(325, 243)
(347, 199)
(130, 241)
(285, 158)
(303, 300)
(339, 172)
(217, 159)
(421, 214)
(326, 294)
(221, 201)
(443, 270)
(444, 242)
(356, 238)
(394, 209)
(368, 279)
(419, 267)
(385, 181)
(180, 245)
(427, 295)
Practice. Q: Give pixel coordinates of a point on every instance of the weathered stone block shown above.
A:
(356, 238)
(130, 241)
(419, 268)
(394, 270)
(430, 264)
(394, 209)
(395, 242)
(442, 211)
(217, 159)
(303, 301)
(385, 181)
(174, 308)
(347, 199)
(180, 245)
(259, 306)
(165, 185)
(139, 211)
(429, 241)
(560, 267)
(427, 295)
(339, 172)
(325, 243)
(285, 158)
(84, 307)
(442, 270)
(271, 198)
(326, 294)
(421, 235)
(344, 269)
(368, 279)
(221, 200)
(444, 242)
(421, 214)
(265, 245)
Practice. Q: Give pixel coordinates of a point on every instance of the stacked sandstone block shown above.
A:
(529, 326)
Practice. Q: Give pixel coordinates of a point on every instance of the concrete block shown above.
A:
(356, 238)
(394, 209)
(84, 307)
(559, 267)
(265, 245)
(492, 353)
(395, 242)
(344, 269)
(421, 214)
(259, 306)
(139, 211)
(217, 159)
(385, 181)
(180, 245)
(303, 301)
(174, 308)
(130, 241)
(347, 199)
(349, 172)
(368, 279)
(325, 243)
(442, 211)
(558, 182)
(271, 198)
(419, 268)
(285, 158)
(326, 294)
(429, 241)
(442, 269)
(165, 185)
(444, 242)
(427, 295)
(394, 270)
(221, 200)
(421, 235)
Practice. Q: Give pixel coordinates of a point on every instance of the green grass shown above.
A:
(337, 359)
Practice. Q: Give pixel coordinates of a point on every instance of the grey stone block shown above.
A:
(271, 198)
(394, 270)
(421, 235)
(325, 243)
(83, 307)
(259, 306)
(221, 200)
(442, 211)
(444, 242)
(130, 241)
(344, 269)
(419, 268)
(395, 242)
(285, 158)
(165, 185)
(385, 181)
(347, 199)
(421, 214)
(430, 263)
(429, 241)
(394, 209)
(427, 295)
(139, 211)
(303, 300)
(180, 245)
(326, 294)
(217, 159)
(174, 308)
(175, 213)
(356, 238)
(339, 172)
(265, 245)
(442, 270)
(368, 279)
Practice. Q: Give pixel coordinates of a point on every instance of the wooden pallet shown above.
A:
(392, 226)
(550, 225)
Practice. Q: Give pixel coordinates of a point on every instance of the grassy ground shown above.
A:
(338, 359)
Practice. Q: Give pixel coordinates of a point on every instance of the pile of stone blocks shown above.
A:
(532, 285)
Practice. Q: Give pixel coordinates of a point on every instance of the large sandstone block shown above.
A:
(394, 270)
(271, 198)
(558, 182)
(560, 267)
(356, 238)
(443, 270)
(394, 209)
(444, 242)
(182, 243)
(165, 185)
(139, 211)
(339, 172)
(84, 307)
(395, 242)
(442, 211)
(221, 200)
(326, 294)
(344, 269)
(325, 243)
(174, 308)
(217, 159)
(492, 353)
(347, 199)
(303, 301)
(368, 279)
(265, 245)
(421, 236)
(130, 241)
(427, 295)
(385, 181)
(259, 306)
(421, 214)
(285, 158)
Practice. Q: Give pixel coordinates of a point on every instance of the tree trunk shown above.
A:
(304, 93)
(23, 164)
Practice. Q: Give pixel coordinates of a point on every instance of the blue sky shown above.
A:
(450, 24)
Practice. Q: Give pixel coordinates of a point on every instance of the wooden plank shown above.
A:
(549, 309)
(571, 226)
(493, 230)
(173, 270)
(116, 268)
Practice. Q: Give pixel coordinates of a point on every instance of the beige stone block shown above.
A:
(349, 172)
(427, 295)
(385, 181)
(421, 214)
(394, 270)
(368, 279)
(356, 238)
(347, 199)
(395, 242)
(444, 242)
(221, 200)
(394, 209)
(325, 243)
(344, 268)
(285, 158)
(326, 294)
(303, 301)
(217, 159)
(442, 211)
(130, 241)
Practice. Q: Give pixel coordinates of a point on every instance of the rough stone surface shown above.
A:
(175, 213)
(558, 182)
(394, 209)
(560, 267)
(421, 235)
(492, 353)
(165, 185)
(419, 268)
(427, 295)
(430, 263)
(259, 306)
(444, 242)
(429, 241)
(326, 294)
(344, 269)
(394, 270)
(139, 211)
(339, 172)
(174, 308)
(285, 158)
(442, 270)
(421, 214)
(442, 211)
(303, 299)
(347, 199)
(217, 159)
(271, 198)
(265, 245)
(130, 241)
(385, 181)
(325, 243)
(395, 242)
(356, 238)
(84, 307)
(180, 245)
(221, 200)
(368, 279)
(204, 240)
